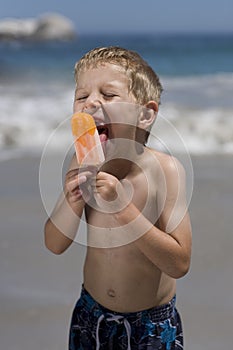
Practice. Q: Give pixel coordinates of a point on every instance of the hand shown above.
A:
(111, 195)
(77, 186)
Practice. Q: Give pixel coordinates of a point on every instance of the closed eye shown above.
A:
(81, 98)
(109, 95)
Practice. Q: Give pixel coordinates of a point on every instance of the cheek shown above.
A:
(77, 107)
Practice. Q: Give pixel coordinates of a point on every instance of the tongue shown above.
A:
(103, 137)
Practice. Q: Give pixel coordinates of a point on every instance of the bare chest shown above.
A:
(104, 231)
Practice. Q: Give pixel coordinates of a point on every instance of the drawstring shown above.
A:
(116, 318)
(100, 319)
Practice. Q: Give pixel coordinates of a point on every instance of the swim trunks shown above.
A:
(96, 327)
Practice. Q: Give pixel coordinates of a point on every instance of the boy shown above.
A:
(139, 234)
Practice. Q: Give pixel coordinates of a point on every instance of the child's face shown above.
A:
(97, 86)
(105, 86)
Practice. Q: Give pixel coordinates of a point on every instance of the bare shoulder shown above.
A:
(169, 165)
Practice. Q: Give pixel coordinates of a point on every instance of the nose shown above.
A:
(92, 102)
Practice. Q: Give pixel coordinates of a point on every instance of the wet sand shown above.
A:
(39, 289)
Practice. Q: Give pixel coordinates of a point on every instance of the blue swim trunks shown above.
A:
(95, 327)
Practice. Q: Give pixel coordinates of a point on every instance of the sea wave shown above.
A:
(203, 131)
(200, 110)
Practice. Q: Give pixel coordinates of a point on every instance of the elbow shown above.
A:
(182, 268)
(50, 243)
(182, 263)
(180, 273)
(56, 251)
(47, 239)
(179, 268)
(53, 248)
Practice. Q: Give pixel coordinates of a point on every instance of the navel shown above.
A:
(111, 293)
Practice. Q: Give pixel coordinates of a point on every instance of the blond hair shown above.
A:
(144, 83)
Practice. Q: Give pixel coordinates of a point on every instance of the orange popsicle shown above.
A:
(87, 142)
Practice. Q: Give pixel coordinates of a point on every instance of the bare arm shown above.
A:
(169, 246)
(169, 252)
(62, 226)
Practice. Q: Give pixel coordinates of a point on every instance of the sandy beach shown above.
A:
(38, 289)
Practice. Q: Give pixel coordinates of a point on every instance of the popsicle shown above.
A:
(87, 143)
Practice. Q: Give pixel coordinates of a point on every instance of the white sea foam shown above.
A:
(28, 118)
(203, 131)
(199, 108)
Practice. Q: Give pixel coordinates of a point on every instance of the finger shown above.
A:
(87, 173)
(72, 186)
(99, 183)
(81, 179)
(71, 173)
(77, 172)
(75, 183)
(101, 175)
(75, 198)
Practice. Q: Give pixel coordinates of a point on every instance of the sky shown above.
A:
(131, 16)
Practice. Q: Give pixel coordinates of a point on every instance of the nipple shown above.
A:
(111, 293)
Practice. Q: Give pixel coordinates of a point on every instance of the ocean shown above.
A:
(196, 71)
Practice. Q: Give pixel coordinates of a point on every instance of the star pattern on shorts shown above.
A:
(168, 335)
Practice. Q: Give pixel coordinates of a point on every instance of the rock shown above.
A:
(54, 27)
(47, 27)
(16, 28)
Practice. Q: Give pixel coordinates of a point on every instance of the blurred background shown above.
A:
(190, 46)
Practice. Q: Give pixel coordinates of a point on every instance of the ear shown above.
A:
(148, 115)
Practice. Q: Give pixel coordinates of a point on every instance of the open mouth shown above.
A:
(103, 132)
